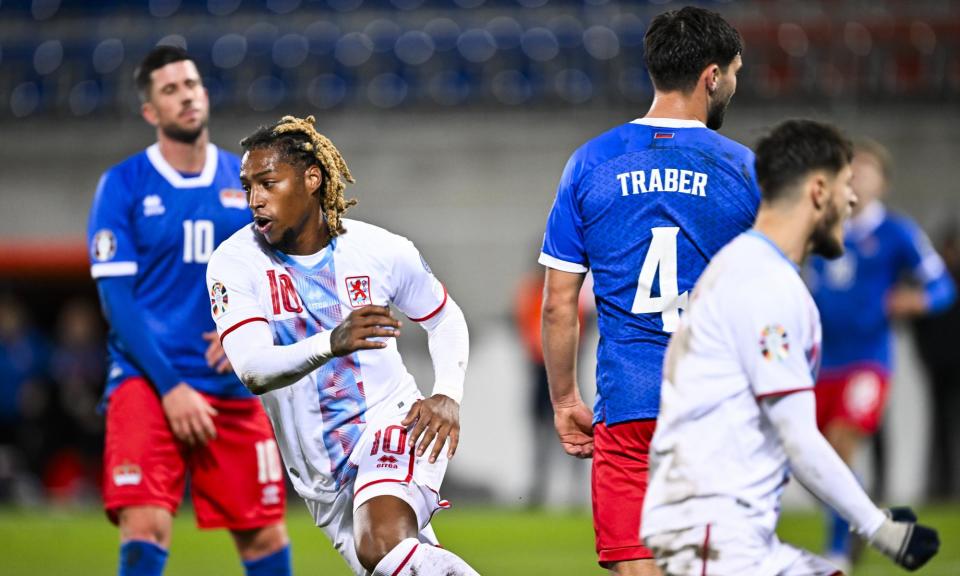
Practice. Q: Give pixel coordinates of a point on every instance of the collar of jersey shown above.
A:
(669, 123)
(178, 180)
(327, 257)
(866, 221)
(756, 233)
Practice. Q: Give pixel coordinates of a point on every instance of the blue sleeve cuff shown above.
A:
(941, 293)
(117, 296)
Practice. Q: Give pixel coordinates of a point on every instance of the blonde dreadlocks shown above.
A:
(298, 142)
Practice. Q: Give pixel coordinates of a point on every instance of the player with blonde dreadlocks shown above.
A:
(299, 143)
(301, 301)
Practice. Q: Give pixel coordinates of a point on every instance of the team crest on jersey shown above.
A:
(358, 289)
(233, 198)
(153, 205)
(218, 299)
(104, 245)
(127, 474)
(773, 342)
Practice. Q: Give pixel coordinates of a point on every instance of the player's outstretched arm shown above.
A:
(820, 470)
(561, 333)
(437, 418)
(262, 366)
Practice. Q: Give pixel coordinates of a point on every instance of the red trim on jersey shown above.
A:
(435, 312)
(405, 560)
(784, 392)
(239, 324)
(706, 551)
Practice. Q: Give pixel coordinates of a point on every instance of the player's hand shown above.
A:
(360, 326)
(906, 302)
(904, 541)
(190, 415)
(216, 357)
(574, 424)
(437, 418)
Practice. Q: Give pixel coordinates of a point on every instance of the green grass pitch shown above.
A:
(495, 541)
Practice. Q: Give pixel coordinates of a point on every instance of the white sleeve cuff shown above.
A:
(561, 265)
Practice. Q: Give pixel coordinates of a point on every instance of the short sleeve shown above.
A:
(231, 288)
(563, 246)
(416, 291)
(774, 337)
(110, 230)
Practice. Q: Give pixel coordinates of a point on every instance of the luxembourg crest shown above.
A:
(127, 474)
(233, 198)
(358, 289)
(218, 299)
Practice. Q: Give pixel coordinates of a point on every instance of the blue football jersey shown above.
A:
(644, 207)
(161, 226)
(881, 250)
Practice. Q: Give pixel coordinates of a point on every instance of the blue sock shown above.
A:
(141, 558)
(838, 535)
(276, 564)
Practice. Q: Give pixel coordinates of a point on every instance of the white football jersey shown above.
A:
(320, 419)
(752, 331)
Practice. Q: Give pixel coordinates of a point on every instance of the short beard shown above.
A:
(823, 241)
(174, 132)
(716, 112)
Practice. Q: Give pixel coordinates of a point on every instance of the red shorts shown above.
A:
(236, 479)
(856, 396)
(619, 482)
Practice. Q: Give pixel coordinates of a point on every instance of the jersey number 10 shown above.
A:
(197, 241)
(663, 255)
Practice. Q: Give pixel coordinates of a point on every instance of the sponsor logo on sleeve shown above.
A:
(774, 344)
(233, 198)
(358, 290)
(218, 298)
(104, 245)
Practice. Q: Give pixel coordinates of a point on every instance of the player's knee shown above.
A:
(146, 523)
(260, 542)
(372, 547)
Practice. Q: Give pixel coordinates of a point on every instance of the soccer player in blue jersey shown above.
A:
(888, 272)
(643, 207)
(173, 403)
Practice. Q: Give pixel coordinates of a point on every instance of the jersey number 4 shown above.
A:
(662, 255)
(197, 241)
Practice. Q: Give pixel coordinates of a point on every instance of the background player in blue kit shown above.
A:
(643, 207)
(173, 403)
(889, 272)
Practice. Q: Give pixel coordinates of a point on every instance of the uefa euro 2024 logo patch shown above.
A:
(358, 289)
(104, 245)
(773, 342)
(218, 298)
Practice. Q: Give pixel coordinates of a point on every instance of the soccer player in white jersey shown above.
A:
(300, 298)
(737, 407)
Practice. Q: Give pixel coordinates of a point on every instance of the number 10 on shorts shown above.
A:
(268, 462)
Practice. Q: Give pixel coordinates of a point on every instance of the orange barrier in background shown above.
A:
(44, 258)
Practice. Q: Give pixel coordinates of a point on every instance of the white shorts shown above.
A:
(385, 467)
(732, 550)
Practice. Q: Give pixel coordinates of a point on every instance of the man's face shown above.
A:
(282, 197)
(720, 99)
(827, 238)
(178, 103)
(868, 180)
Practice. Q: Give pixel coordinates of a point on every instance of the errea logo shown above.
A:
(153, 205)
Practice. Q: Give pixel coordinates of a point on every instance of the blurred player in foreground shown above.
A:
(173, 404)
(300, 300)
(889, 271)
(643, 207)
(738, 411)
